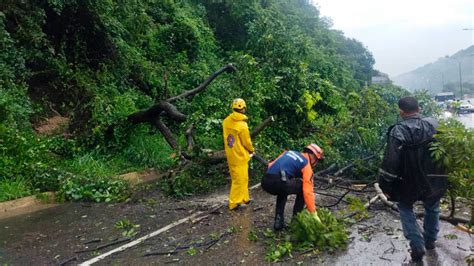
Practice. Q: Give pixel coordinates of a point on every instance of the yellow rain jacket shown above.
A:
(237, 139)
(237, 148)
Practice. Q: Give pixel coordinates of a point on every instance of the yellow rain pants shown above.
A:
(239, 188)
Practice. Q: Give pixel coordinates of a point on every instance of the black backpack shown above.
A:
(422, 178)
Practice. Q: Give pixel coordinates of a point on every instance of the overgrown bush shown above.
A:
(193, 179)
(95, 189)
(24, 156)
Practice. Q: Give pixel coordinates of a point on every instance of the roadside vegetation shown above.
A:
(97, 62)
(455, 149)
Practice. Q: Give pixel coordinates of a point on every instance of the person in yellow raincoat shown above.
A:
(238, 147)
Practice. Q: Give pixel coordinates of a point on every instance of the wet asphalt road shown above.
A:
(55, 235)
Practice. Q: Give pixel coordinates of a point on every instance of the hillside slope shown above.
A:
(445, 71)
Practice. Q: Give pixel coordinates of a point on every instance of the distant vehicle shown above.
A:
(466, 107)
(444, 96)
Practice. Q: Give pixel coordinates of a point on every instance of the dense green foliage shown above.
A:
(97, 62)
(329, 234)
(305, 234)
(455, 149)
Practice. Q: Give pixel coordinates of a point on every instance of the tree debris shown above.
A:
(115, 242)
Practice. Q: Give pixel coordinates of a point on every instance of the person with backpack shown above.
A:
(238, 148)
(409, 174)
(292, 173)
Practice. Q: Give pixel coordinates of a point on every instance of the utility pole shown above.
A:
(459, 62)
(460, 79)
(442, 78)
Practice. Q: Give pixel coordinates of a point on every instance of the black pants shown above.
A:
(273, 184)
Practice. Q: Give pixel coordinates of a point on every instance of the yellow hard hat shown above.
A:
(239, 104)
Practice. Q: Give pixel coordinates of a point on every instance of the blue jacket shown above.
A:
(296, 165)
(292, 162)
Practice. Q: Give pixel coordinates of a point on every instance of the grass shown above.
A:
(92, 173)
(142, 152)
(13, 189)
(150, 151)
(88, 175)
(91, 164)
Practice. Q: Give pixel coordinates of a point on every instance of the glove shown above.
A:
(316, 217)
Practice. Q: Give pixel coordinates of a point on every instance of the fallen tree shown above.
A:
(154, 114)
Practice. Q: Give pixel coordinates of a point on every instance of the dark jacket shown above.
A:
(408, 172)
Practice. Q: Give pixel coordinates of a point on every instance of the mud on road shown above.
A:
(69, 234)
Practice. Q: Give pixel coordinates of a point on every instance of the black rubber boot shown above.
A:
(279, 222)
(430, 245)
(417, 255)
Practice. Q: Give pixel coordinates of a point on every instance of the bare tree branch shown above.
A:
(166, 132)
(262, 126)
(172, 111)
(453, 205)
(152, 115)
(338, 173)
(227, 68)
(452, 220)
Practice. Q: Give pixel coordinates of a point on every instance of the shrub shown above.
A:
(193, 179)
(94, 189)
(455, 149)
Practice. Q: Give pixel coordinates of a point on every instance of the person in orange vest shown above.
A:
(238, 148)
(292, 173)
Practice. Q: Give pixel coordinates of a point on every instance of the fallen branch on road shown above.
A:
(141, 239)
(208, 244)
(92, 241)
(115, 242)
(452, 220)
(66, 261)
(340, 198)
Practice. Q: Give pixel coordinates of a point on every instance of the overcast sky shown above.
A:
(404, 34)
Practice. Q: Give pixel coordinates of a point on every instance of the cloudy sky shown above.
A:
(404, 34)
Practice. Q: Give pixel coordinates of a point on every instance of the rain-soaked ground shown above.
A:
(62, 234)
